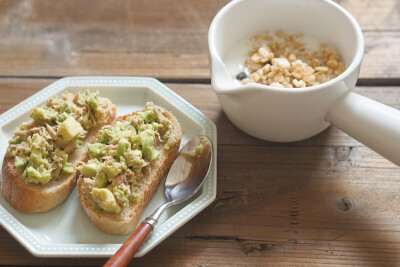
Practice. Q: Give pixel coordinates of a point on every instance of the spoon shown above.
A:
(185, 178)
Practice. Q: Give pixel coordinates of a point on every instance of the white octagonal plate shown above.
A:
(66, 231)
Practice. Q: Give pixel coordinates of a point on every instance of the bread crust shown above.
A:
(126, 221)
(29, 197)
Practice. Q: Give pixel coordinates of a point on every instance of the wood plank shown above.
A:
(165, 39)
(374, 15)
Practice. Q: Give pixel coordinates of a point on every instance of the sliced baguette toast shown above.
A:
(126, 221)
(31, 197)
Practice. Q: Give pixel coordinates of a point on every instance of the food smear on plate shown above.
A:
(289, 61)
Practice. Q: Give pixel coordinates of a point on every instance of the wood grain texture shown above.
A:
(163, 38)
(327, 200)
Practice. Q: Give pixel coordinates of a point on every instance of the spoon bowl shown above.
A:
(191, 167)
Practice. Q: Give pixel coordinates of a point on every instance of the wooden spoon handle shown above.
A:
(130, 246)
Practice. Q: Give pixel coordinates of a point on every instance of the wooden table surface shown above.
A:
(326, 200)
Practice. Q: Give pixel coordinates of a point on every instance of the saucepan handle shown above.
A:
(372, 123)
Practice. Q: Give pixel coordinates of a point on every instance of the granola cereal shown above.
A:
(284, 61)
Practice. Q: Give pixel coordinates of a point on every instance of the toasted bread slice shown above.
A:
(126, 221)
(30, 197)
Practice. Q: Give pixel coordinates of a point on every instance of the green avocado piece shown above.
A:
(90, 169)
(69, 129)
(32, 173)
(150, 153)
(42, 114)
(112, 169)
(68, 168)
(95, 150)
(34, 176)
(123, 145)
(37, 140)
(35, 157)
(100, 180)
(134, 158)
(20, 162)
(45, 176)
(147, 140)
(105, 199)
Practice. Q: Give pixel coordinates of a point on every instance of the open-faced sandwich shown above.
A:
(126, 164)
(39, 168)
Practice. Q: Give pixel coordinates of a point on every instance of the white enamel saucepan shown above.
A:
(286, 114)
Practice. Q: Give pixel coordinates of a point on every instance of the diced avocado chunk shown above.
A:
(147, 141)
(90, 169)
(112, 169)
(123, 145)
(37, 140)
(134, 158)
(95, 150)
(147, 137)
(42, 114)
(46, 176)
(36, 177)
(67, 168)
(105, 199)
(100, 180)
(69, 129)
(35, 157)
(33, 173)
(20, 162)
(150, 153)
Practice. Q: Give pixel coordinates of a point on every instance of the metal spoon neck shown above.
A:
(152, 220)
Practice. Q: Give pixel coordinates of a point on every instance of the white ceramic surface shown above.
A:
(66, 231)
(292, 114)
